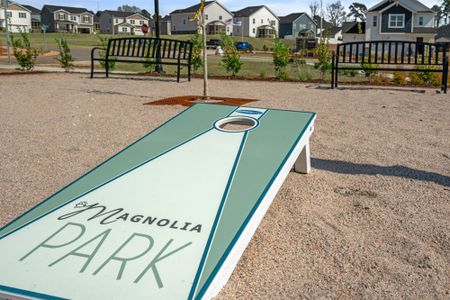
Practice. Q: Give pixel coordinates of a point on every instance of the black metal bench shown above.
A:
(140, 50)
(390, 56)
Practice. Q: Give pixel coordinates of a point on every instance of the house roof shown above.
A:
(15, 3)
(352, 27)
(119, 14)
(326, 25)
(291, 18)
(33, 10)
(443, 32)
(335, 29)
(193, 8)
(250, 10)
(72, 10)
(425, 30)
(414, 5)
(166, 18)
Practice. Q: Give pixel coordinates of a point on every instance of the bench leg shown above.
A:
(189, 72)
(178, 72)
(303, 163)
(92, 67)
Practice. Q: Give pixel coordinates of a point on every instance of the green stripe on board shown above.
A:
(264, 152)
(185, 126)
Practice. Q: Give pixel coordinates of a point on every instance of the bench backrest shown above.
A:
(146, 47)
(391, 52)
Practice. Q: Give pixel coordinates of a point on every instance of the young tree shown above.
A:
(314, 8)
(445, 8)
(358, 11)
(201, 25)
(437, 10)
(336, 13)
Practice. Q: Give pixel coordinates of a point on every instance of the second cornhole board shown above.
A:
(166, 218)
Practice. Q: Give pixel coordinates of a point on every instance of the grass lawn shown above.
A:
(91, 40)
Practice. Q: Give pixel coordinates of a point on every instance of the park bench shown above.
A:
(403, 56)
(145, 50)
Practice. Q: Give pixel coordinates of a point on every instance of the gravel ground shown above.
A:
(371, 221)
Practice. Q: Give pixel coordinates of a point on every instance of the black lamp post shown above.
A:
(158, 67)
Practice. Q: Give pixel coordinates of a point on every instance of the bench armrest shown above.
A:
(96, 48)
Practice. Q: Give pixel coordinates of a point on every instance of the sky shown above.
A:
(280, 7)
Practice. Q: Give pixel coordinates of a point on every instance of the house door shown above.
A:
(420, 46)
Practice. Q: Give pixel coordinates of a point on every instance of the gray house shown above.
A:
(67, 19)
(121, 22)
(407, 20)
(296, 24)
(35, 17)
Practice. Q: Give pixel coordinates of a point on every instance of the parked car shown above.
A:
(243, 46)
(213, 43)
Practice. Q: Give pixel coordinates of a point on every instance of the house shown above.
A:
(35, 18)
(333, 35)
(291, 26)
(406, 20)
(19, 17)
(218, 19)
(322, 25)
(67, 19)
(353, 32)
(122, 22)
(256, 21)
(165, 25)
(97, 21)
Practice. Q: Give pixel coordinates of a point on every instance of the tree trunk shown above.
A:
(205, 59)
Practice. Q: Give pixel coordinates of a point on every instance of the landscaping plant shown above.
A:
(231, 60)
(368, 71)
(280, 59)
(24, 54)
(65, 58)
(104, 44)
(197, 48)
(324, 58)
(399, 78)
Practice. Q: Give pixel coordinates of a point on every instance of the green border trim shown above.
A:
(217, 218)
(14, 291)
(252, 212)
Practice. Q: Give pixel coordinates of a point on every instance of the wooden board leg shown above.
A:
(303, 163)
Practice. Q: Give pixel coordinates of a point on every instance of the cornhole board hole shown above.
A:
(168, 217)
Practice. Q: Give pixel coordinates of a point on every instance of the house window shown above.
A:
(374, 21)
(184, 21)
(206, 17)
(124, 29)
(86, 19)
(420, 21)
(9, 14)
(254, 21)
(62, 16)
(397, 21)
(141, 22)
(132, 22)
(73, 18)
(254, 30)
(22, 15)
(262, 21)
(220, 18)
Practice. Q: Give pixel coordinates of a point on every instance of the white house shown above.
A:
(218, 19)
(67, 19)
(19, 17)
(255, 21)
(406, 20)
(120, 22)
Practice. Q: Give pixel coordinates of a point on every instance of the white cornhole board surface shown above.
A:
(168, 217)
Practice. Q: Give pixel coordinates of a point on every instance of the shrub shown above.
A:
(399, 78)
(262, 73)
(423, 77)
(368, 71)
(280, 59)
(104, 44)
(65, 58)
(24, 54)
(265, 48)
(231, 60)
(197, 47)
(304, 74)
(150, 65)
(324, 56)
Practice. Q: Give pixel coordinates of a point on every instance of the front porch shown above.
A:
(266, 31)
(216, 27)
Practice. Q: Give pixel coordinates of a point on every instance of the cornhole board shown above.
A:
(168, 217)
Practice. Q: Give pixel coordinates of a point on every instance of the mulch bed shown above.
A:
(191, 100)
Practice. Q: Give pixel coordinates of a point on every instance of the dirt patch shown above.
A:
(346, 191)
(191, 100)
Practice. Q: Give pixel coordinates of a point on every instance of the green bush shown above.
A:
(399, 78)
(304, 74)
(231, 60)
(324, 58)
(65, 57)
(421, 77)
(104, 44)
(280, 59)
(24, 54)
(149, 65)
(197, 47)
